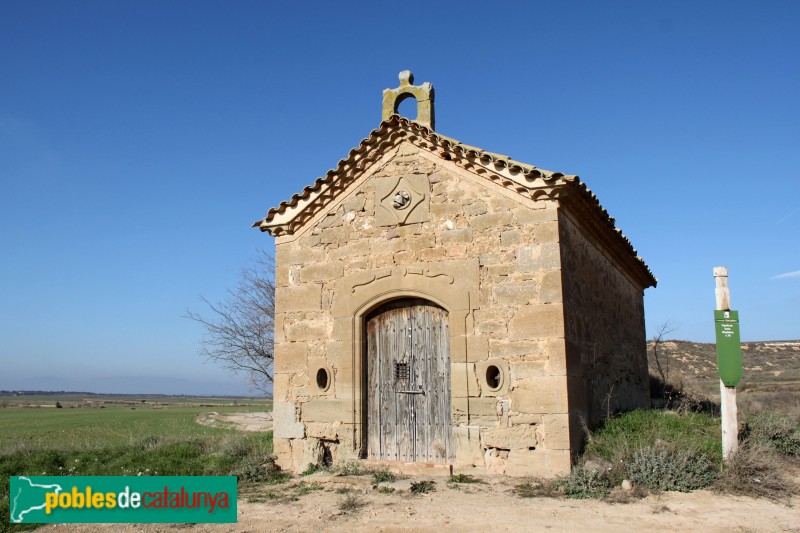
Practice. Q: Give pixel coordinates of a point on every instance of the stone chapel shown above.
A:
(440, 306)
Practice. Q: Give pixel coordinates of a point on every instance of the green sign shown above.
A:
(729, 347)
(122, 499)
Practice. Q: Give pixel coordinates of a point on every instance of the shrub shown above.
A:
(311, 469)
(620, 437)
(756, 470)
(254, 470)
(353, 468)
(423, 487)
(775, 430)
(529, 490)
(383, 475)
(583, 484)
(662, 469)
(464, 478)
(303, 488)
(351, 502)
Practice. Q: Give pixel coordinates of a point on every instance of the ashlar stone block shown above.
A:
(307, 330)
(290, 357)
(556, 431)
(292, 253)
(323, 430)
(454, 236)
(527, 215)
(505, 348)
(511, 438)
(528, 369)
(477, 348)
(327, 410)
(467, 408)
(538, 463)
(557, 362)
(464, 382)
(445, 210)
(537, 257)
(469, 452)
(305, 297)
(284, 422)
(550, 291)
(282, 448)
(546, 232)
(326, 271)
(511, 237)
(492, 220)
(542, 395)
(514, 293)
(536, 321)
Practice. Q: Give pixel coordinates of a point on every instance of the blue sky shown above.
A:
(139, 141)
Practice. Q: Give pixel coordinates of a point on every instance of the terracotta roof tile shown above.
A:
(523, 173)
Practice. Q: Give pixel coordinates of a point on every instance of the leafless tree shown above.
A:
(239, 329)
(659, 362)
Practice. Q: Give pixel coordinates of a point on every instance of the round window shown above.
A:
(323, 379)
(494, 377)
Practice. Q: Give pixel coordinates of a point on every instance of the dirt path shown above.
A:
(240, 421)
(314, 505)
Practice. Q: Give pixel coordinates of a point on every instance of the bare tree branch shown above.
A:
(659, 363)
(239, 330)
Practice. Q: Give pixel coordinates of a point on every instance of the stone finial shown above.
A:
(406, 78)
(423, 94)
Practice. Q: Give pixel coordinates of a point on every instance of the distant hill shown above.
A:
(127, 385)
(769, 366)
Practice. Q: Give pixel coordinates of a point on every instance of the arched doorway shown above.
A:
(408, 383)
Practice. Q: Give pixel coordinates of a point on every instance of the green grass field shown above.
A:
(126, 437)
(87, 427)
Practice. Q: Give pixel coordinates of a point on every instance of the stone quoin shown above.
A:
(438, 304)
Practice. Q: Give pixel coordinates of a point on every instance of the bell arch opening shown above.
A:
(407, 106)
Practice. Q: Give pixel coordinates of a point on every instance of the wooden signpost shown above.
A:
(729, 361)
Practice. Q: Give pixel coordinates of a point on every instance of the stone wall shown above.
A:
(605, 331)
(504, 251)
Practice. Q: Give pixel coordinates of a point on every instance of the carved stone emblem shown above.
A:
(402, 200)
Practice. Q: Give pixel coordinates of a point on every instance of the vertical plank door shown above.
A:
(408, 397)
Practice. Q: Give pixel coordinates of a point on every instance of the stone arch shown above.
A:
(379, 300)
(452, 285)
(423, 94)
(402, 97)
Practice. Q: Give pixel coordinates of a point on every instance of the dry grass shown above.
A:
(757, 471)
(532, 489)
(351, 502)
(618, 495)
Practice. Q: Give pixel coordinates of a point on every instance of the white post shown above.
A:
(727, 395)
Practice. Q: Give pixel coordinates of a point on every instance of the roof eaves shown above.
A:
(496, 162)
(610, 224)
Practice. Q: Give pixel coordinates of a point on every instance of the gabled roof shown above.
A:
(527, 180)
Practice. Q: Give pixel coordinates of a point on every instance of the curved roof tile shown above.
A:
(529, 172)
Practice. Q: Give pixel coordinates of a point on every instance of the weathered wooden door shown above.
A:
(408, 365)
